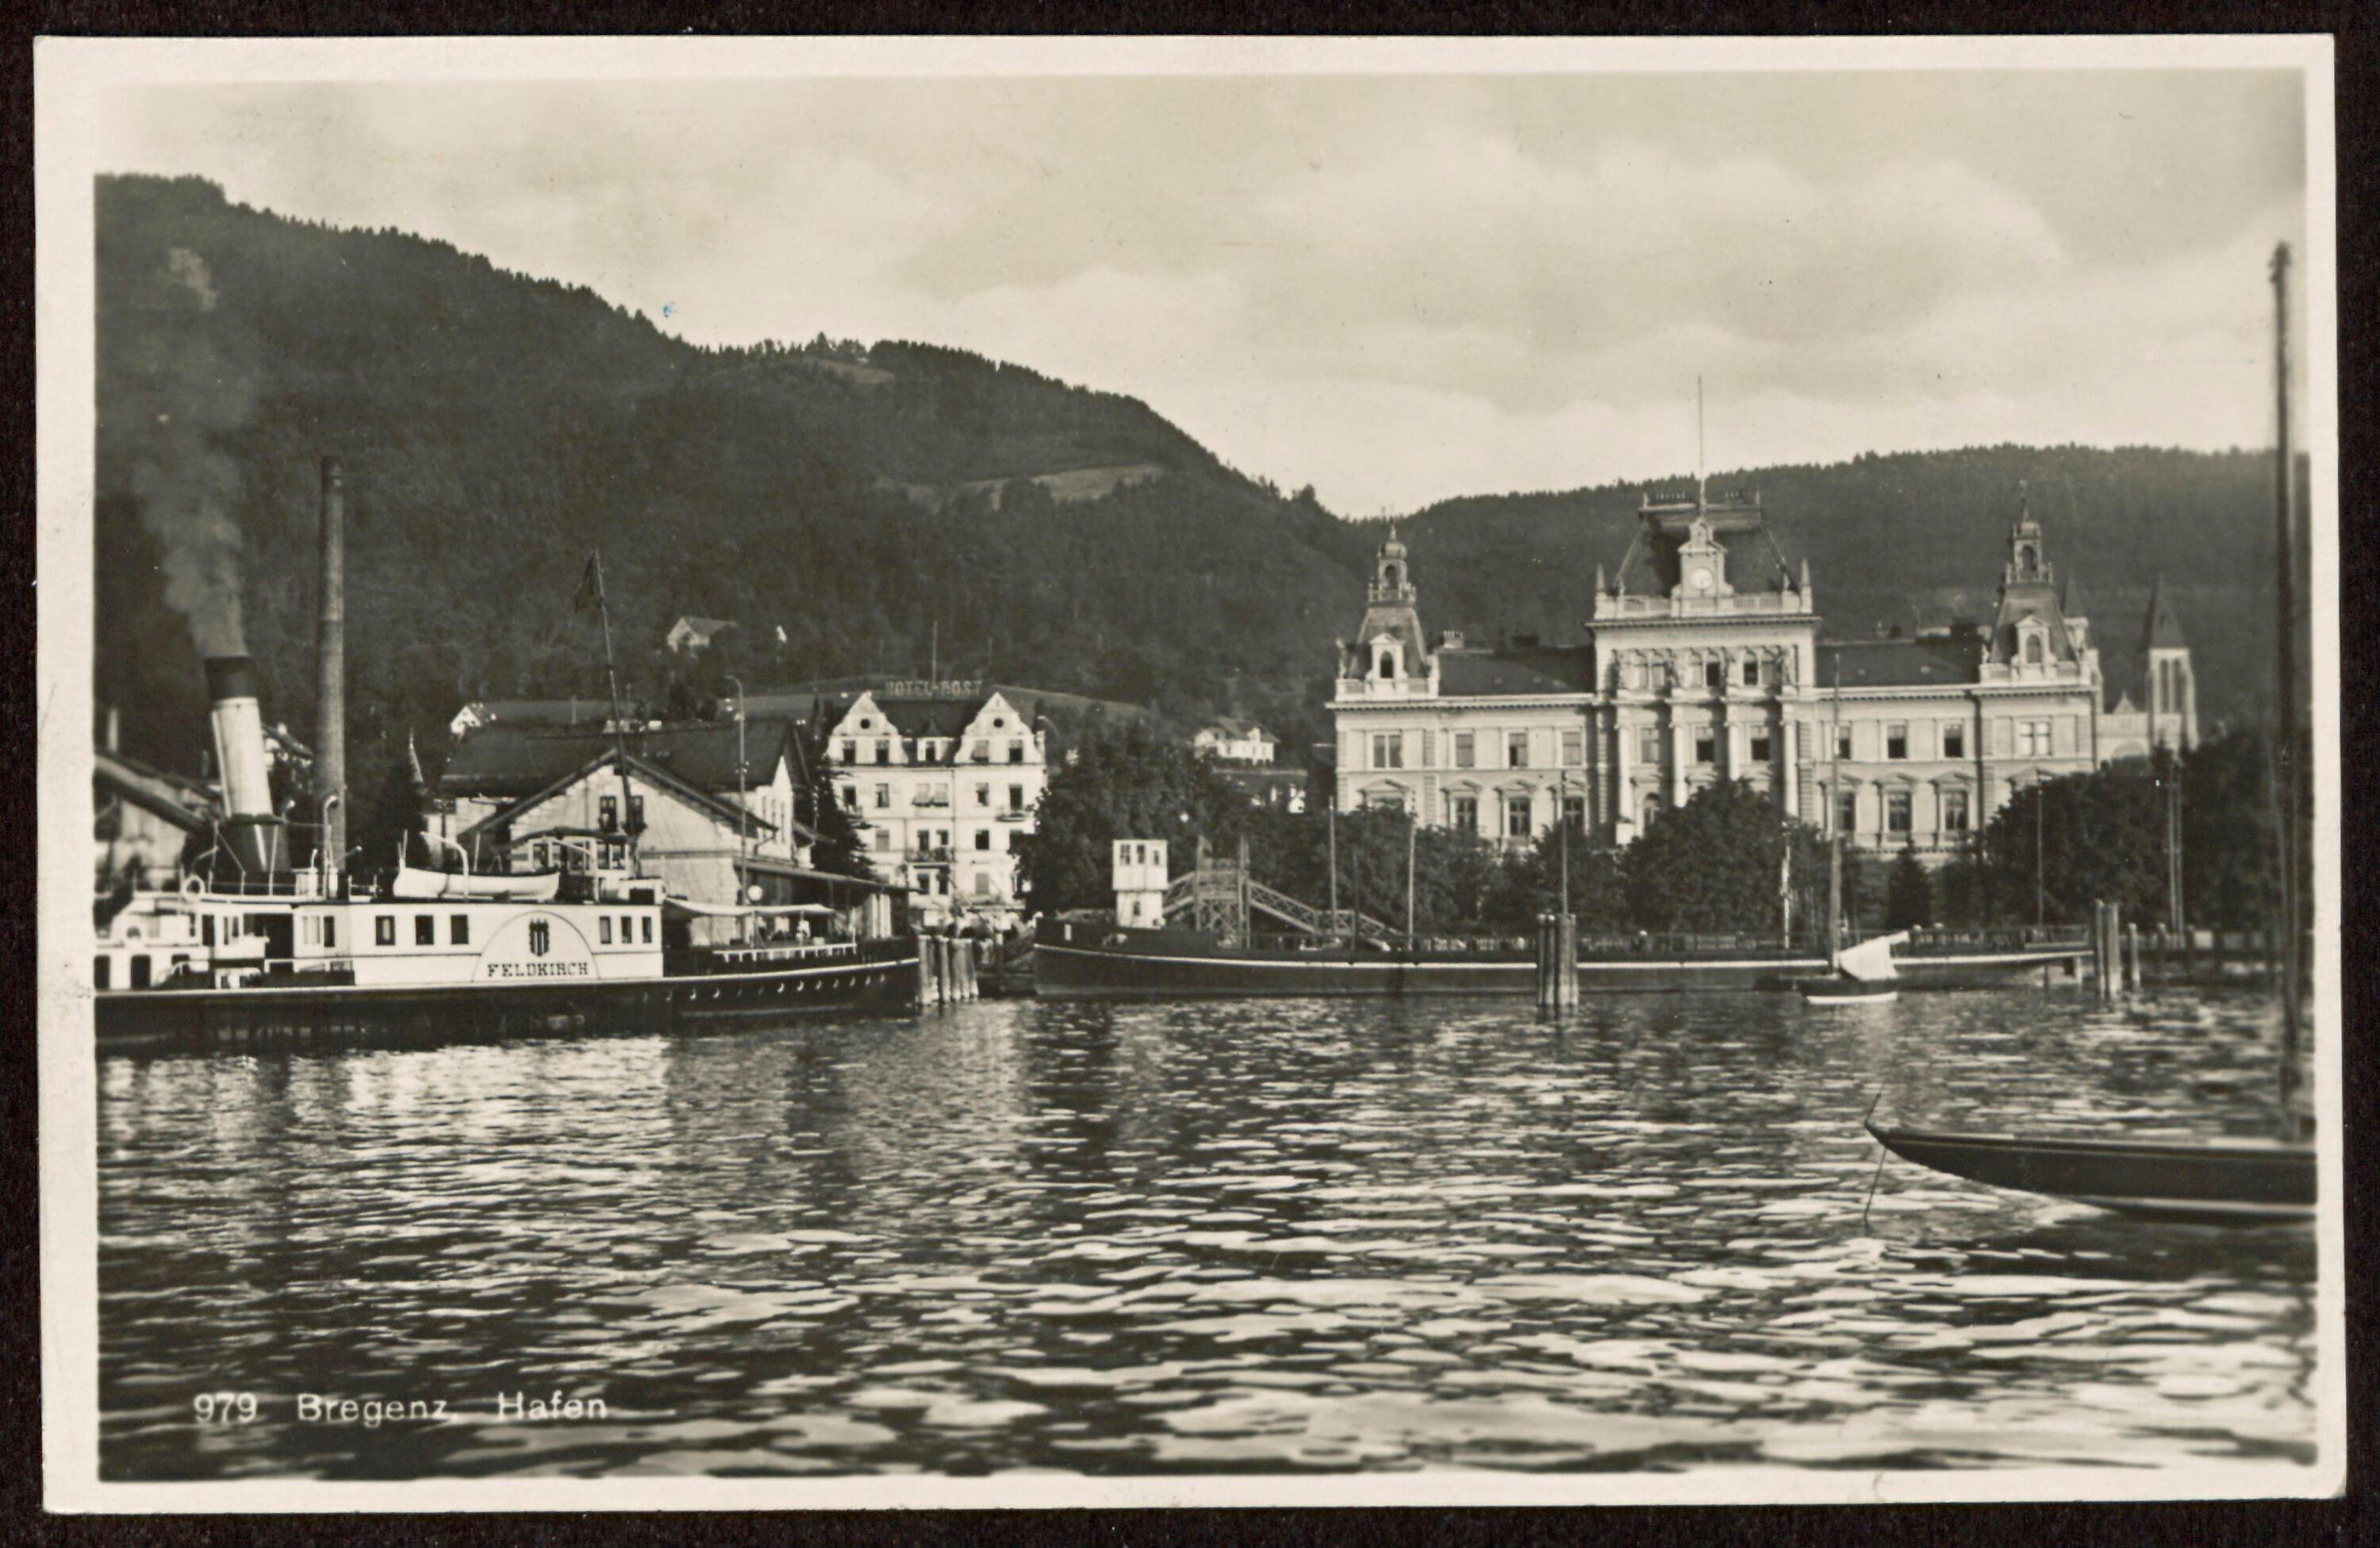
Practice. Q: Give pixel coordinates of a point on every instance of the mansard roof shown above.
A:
(1515, 671)
(1922, 661)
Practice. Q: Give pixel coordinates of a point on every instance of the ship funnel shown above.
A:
(257, 838)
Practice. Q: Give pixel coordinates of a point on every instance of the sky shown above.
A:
(1396, 288)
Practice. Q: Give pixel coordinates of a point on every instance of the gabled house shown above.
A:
(1234, 740)
(690, 634)
(710, 824)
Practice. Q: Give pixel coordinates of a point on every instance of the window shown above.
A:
(1462, 812)
(1387, 750)
(1388, 664)
(1954, 811)
(2033, 739)
(615, 856)
(607, 810)
(425, 930)
(983, 838)
(1842, 740)
(1714, 674)
(1516, 749)
(1705, 745)
(99, 972)
(1573, 748)
(1648, 744)
(141, 971)
(1896, 812)
(883, 797)
(2033, 649)
(330, 931)
(884, 749)
(983, 883)
(925, 840)
(1651, 809)
(1896, 740)
(540, 855)
(851, 798)
(1517, 817)
(883, 840)
(850, 753)
(1954, 738)
(1015, 749)
(980, 752)
(1762, 750)
(983, 795)
(603, 922)
(1465, 752)
(1574, 811)
(636, 814)
(384, 930)
(1847, 810)
(1013, 846)
(1751, 672)
(1017, 798)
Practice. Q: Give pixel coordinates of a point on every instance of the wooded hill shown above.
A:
(495, 428)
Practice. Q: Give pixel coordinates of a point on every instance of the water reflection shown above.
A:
(1149, 1238)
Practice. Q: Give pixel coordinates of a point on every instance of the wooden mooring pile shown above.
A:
(946, 969)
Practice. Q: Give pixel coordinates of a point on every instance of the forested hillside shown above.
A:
(495, 428)
(1917, 538)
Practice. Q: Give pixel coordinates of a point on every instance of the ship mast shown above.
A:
(1835, 824)
(2285, 752)
(619, 736)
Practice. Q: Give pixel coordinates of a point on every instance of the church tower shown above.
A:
(1389, 648)
(2169, 689)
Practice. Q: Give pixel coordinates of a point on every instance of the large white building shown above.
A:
(1703, 662)
(944, 779)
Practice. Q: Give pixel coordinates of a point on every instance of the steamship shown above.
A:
(1192, 937)
(250, 946)
(251, 949)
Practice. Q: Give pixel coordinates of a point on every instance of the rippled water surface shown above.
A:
(1269, 1235)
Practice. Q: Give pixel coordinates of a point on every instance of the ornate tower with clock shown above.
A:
(1702, 564)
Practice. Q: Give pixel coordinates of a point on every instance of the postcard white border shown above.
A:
(70, 75)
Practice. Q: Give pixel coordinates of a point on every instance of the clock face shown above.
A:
(1702, 578)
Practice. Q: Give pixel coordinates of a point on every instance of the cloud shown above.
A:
(1398, 289)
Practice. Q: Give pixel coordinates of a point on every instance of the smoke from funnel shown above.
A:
(190, 395)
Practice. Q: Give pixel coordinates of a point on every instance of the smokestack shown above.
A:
(330, 672)
(256, 837)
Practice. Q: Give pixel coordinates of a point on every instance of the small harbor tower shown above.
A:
(1140, 881)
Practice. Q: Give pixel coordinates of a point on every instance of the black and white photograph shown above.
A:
(1064, 772)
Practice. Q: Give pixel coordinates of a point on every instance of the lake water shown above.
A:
(1260, 1236)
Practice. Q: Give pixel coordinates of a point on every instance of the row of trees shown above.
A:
(1726, 861)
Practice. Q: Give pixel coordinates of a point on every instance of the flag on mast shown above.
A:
(590, 586)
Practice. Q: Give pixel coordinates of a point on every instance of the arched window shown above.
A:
(1388, 664)
(1393, 575)
(2033, 649)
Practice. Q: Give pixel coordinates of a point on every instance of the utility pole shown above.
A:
(1413, 827)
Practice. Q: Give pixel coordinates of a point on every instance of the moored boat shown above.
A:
(2242, 1181)
(1091, 957)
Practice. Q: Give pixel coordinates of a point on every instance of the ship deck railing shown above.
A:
(1683, 945)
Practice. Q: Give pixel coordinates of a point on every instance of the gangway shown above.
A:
(1221, 898)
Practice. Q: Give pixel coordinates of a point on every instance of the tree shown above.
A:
(2100, 837)
(1908, 893)
(1532, 885)
(838, 846)
(1126, 781)
(1717, 863)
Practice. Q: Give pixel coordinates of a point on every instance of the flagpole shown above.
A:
(619, 737)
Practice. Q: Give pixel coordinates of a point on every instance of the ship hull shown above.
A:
(2222, 1183)
(1177, 964)
(166, 1020)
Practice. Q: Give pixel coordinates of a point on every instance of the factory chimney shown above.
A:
(331, 674)
(255, 837)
